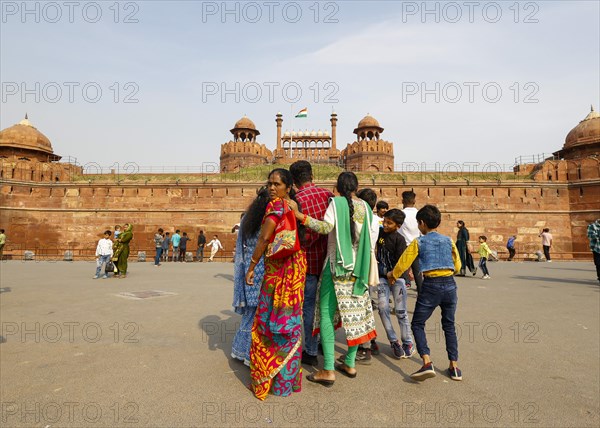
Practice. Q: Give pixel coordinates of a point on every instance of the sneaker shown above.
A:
(549, 261)
(475, 272)
(310, 360)
(363, 356)
(423, 373)
(374, 347)
(95, 277)
(485, 277)
(455, 373)
(409, 350)
(397, 350)
(104, 276)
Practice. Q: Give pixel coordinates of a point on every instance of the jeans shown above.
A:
(547, 252)
(398, 291)
(417, 274)
(436, 292)
(165, 253)
(311, 342)
(158, 254)
(200, 253)
(483, 266)
(182, 254)
(100, 261)
(175, 253)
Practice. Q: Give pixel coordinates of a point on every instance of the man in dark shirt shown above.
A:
(313, 201)
(183, 247)
(201, 244)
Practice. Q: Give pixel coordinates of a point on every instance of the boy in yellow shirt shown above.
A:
(484, 254)
(438, 260)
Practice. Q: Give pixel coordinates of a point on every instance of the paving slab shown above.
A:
(79, 354)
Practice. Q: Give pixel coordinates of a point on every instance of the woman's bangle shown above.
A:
(253, 261)
(304, 219)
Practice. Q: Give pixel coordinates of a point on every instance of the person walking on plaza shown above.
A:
(510, 246)
(314, 202)
(175, 241)
(183, 247)
(593, 233)
(275, 352)
(123, 249)
(158, 242)
(439, 260)
(245, 296)
(484, 254)
(104, 251)
(2, 242)
(462, 243)
(344, 299)
(390, 246)
(546, 243)
(410, 231)
(215, 245)
(201, 244)
(165, 246)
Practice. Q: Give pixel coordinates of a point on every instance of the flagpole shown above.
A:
(292, 131)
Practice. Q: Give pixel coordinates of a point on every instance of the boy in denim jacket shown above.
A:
(439, 260)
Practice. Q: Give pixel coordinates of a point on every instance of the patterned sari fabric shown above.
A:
(276, 349)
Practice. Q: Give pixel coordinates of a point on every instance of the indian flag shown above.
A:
(302, 113)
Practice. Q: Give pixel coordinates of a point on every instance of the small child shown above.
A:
(438, 260)
(484, 254)
(104, 251)
(381, 207)
(390, 246)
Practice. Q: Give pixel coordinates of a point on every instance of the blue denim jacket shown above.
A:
(435, 252)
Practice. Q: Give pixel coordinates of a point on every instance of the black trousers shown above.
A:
(547, 252)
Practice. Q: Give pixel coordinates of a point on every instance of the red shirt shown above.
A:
(314, 202)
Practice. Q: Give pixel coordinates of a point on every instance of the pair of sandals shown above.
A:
(340, 367)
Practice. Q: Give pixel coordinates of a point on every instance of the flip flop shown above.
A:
(342, 369)
(325, 382)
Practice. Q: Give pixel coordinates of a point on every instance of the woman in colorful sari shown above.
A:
(123, 249)
(245, 297)
(276, 351)
(343, 297)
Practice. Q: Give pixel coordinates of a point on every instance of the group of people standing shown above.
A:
(307, 257)
(113, 255)
(177, 243)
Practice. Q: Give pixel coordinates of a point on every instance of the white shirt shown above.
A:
(104, 248)
(410, 228)
(215, 243)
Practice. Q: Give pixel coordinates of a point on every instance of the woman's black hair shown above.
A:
(288, 180)
(347, 184)
(252, 220)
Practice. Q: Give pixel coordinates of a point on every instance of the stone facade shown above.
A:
(50, 207)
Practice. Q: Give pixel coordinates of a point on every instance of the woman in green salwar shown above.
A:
(122, 251)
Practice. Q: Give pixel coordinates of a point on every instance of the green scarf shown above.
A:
(345, 260)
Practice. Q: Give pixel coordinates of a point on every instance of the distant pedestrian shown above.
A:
(175, 240)
(104, 251)
(2, 242)
(510, 246)
(215, 245)
(158, 241)
(462, 244)
(484, 254)
(546, 243)
(183, 247)
(165, 246)
(593, 233)
(123, 250)
(201, 244)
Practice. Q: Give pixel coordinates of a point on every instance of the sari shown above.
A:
(276, 351)
(123, 250)
(245, 297)
(466, 259)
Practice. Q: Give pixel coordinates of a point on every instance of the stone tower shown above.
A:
(369, 152)
(243, 150)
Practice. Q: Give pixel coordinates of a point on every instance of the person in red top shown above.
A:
(314, 202)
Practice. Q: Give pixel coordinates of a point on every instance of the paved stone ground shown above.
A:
(77, 354)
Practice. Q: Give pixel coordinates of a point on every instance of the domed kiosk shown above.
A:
(584, 139)
(243, 150)
(369, 152)
(23, 141)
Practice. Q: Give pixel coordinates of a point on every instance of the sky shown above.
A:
(160, 84)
